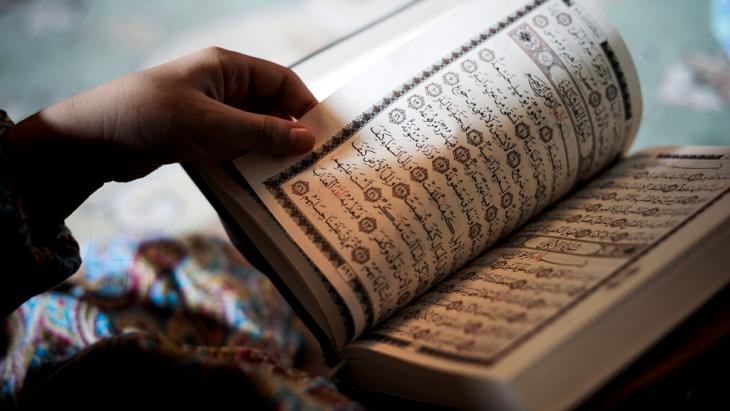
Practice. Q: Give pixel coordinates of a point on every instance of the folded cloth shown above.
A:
(167, 321)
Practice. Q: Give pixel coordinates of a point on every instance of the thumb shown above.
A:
(239, 130)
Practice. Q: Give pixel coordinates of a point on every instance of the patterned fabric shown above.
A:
(167, 321)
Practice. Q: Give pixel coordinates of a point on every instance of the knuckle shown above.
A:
(268, 130)
(215, 54)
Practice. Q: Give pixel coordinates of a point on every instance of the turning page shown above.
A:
(449, 144)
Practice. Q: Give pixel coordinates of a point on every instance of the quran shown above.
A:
(469, 230)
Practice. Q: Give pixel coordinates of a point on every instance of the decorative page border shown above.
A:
(619, 73)
(274, 183)
(339, 303)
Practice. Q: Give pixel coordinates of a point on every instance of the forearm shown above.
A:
(38, 252)
(53, 172)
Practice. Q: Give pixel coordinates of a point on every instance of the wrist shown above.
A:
(51, 174)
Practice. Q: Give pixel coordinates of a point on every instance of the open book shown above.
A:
(467, 230)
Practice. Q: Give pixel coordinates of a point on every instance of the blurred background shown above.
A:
(51, 49)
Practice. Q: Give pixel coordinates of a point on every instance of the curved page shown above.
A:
(449, 144)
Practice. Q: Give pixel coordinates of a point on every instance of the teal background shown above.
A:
(51, 49)
(55, 48)
(666, 34)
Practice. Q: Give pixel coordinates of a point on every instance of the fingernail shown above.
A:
(301, 140)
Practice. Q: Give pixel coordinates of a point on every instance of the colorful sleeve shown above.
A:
(36, 257)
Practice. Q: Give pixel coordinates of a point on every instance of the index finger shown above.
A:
(281, 85)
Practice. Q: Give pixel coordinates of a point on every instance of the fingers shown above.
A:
(233, 84)
(275, 84)
(292, 95)
(263, 107)
(235, 130)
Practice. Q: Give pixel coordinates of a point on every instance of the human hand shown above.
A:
(212, 105)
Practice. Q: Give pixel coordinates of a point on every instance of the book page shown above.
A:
(592, 240)
(449, 144)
